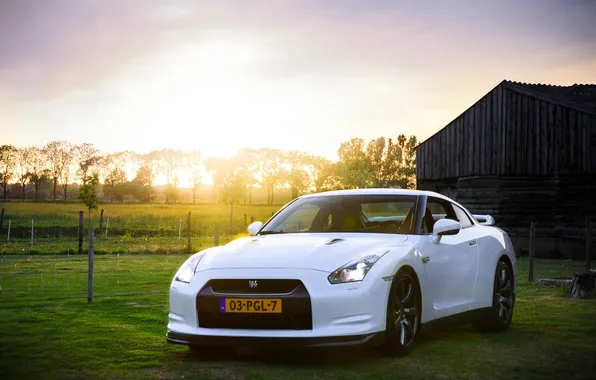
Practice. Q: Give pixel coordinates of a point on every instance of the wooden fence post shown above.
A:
(90, 269)
(180, 229)
(216, 235)
(532, 251)
(8, 236)
(2, 219)
(252, 219)
(32, 231)
(189, 245)
(245, 225)
(100, 219)
(81, 219)
(107, 226)
(588, 245)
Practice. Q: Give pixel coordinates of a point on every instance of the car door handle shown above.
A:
(473, 242)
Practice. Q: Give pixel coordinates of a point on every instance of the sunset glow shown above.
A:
(291, 75)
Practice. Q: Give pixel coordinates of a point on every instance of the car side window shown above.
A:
(436, 209)
(463, 218)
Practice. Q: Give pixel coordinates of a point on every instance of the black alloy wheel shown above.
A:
(501, 313)
(403, 314)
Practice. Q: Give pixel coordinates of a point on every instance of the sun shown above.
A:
(218, 96)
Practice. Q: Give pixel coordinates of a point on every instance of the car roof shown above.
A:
(377, 191)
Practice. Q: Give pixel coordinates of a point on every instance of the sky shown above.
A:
(222, 75)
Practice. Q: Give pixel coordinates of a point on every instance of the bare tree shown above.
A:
(38, 168)
(8, 161)
(228, 181)
(23, 167)
(53, 152)
(194, 163)
(112, 166)
(169, 162)
(271, 170)
(298, 177)
(67, 165)
(249, 161)
(88, 158)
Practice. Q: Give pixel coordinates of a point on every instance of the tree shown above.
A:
(249, 164)
(324, 174)
(67, 156)
(228, 181)
(143, 184)
(410, 163)
(298, 177)
(168, 163)
(24, 160)
(8, 161)
(116, 177)
(194, 164)
(375, 153)
(271, 170)
(354, 168)
(53, 152)
(38, 169)
(112, 165)
(88, 157)
(88, 192)
(392, 165)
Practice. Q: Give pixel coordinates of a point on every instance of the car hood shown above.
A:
(320, 251)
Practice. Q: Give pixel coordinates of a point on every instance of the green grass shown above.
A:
(47, 330)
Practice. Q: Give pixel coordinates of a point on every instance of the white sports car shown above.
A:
(347, 267)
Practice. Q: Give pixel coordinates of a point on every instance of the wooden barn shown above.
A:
(522, 153)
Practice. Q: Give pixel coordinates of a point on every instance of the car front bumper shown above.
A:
(275, 342)
(329, 314)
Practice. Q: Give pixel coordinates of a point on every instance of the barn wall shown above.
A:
(559, 205)
(510, 134)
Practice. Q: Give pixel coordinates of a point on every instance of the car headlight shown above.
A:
(354, 271)
(186, 271)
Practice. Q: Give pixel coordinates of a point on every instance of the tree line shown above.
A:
(60, 164)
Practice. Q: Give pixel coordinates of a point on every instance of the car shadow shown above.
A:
(346, 357)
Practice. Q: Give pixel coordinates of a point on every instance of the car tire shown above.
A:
(500, 314)
(404, 309)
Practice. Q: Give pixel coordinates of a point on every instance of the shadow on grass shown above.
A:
(430, 340)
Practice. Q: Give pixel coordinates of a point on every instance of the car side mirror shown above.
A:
(444, 227)
(254, 228)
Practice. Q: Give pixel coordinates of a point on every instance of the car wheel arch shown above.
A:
(413, 272)
(507, 260)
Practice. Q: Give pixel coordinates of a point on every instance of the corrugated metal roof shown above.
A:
(579, 96)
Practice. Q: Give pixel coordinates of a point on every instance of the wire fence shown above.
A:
(67, 234)
(45, 258)
(27, 278)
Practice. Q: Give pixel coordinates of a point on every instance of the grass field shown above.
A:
(132, 228)
(52, 333)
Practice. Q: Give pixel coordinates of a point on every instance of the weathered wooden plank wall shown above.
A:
(508, 133)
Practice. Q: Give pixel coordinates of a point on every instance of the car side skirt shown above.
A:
(456, 319)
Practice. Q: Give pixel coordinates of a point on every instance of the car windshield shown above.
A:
(346, 213)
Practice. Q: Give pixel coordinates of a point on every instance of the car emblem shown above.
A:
(252, 283)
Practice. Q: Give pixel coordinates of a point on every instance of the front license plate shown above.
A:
(250, 305)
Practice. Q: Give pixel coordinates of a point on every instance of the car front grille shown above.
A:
(260, 286)
(296, 305)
